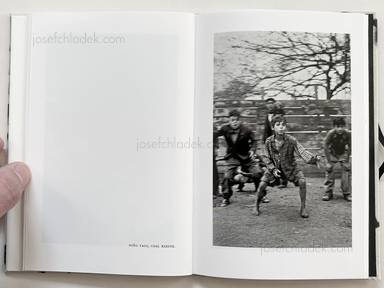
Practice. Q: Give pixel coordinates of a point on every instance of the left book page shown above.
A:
(101, 109)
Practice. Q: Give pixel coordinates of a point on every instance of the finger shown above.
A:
(3, 153)
(13, 180)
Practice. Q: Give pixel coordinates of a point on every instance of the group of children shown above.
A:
(277, 164)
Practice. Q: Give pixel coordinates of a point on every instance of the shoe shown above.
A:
(225, 203)
(327, 197)
(348, 197)
(265, 199)
(283, 184)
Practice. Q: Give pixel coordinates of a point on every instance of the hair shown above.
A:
(339, 121)
(234, 113)
(270, 100)
(278, 119)
(279, 109)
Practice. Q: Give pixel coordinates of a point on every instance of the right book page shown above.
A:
(283, 105)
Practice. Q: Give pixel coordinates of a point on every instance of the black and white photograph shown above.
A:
(282, 140)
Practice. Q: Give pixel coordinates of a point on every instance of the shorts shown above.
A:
(271, 180)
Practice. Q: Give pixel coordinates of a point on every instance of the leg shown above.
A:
(303, 197)
(329, 182)
(346, 180)
(261, 190)
(257, 173)
(283, 183)
(215, 178)
(260, 193)
(229, 173)
(241, 184)
(256, 182)
(299, 180)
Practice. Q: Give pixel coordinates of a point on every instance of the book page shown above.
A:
(108, 121)
(283, 85)
(4, 76)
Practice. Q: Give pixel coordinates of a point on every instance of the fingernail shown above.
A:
(22, 171)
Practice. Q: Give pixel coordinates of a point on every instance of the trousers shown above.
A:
(248, 165)
(345, 176)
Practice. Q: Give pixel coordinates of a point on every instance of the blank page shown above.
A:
(108, 114)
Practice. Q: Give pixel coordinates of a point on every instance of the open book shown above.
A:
(126, 121)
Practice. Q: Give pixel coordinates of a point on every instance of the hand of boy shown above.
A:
(276, 172)
(320, 162)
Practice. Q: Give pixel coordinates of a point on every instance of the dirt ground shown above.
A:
(280, 225)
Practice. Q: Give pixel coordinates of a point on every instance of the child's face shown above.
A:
(234, 122)
(280, 128)
(339, 129)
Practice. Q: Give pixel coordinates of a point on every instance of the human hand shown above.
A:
(328, 167)
(320, 162)
(14, 177)
(276, 172)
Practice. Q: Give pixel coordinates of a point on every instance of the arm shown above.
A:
(267, 129)
(217, 133)
(307, 156)
(266, 156)
(349, 143)
(327, 146)
(252, 142)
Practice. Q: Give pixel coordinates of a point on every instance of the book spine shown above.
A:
(373, 223)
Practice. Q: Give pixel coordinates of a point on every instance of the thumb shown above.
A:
(13, 180)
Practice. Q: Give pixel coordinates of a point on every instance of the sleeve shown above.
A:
(252, 141)
(307, 156)
(267, 130)
(218, 132)
(215, 140)
(327, 145)
(266, 156)
(349, 142)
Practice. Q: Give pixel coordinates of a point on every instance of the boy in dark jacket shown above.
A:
(241, 145)
(337, 150)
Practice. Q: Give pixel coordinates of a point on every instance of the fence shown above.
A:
(307, 120)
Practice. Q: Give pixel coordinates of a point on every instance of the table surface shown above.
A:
(56, 280)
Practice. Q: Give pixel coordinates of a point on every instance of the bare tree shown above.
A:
(298, 64)
(235, 90)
